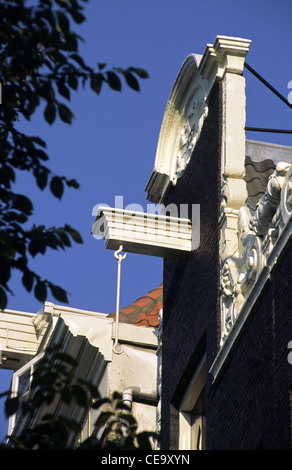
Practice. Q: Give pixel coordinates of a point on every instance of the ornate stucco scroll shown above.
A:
(181, 127)
(259, 232)
(193, 119)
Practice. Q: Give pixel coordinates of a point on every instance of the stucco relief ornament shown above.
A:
(226, 296)
(237, 280)
(195, 115)
(267, 206)
(258, 232)
(286, 196)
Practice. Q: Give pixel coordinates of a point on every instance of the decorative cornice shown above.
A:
(146, 233)
(227, 54)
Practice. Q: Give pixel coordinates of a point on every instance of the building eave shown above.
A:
(149, 234)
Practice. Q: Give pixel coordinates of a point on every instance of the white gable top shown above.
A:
(187, 109)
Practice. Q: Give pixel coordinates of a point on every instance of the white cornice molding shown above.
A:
(146, 233)
(227, 54)
(140, 335)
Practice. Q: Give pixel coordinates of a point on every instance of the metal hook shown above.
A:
(120, 259)
(118, 256)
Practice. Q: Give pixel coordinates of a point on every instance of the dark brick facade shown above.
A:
(249, 405)
(190, 289)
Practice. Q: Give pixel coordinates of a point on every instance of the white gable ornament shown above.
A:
(184, 116)
(195, 115)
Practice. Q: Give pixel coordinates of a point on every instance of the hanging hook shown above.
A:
(120, 258)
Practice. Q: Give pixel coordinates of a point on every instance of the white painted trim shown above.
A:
(55, 309)
(146, 233)
(15, 384)
(188, 401)
(246, 310)
(136, 334)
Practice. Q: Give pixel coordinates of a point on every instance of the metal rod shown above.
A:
(120, 259)
(268, 85)
(262, 129)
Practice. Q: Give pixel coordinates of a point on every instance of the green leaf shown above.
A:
(72, 183)
(73, 82)
(5, 272)
(78, 59)
(37, 244)
(77, 16)
(63, 90)
(132, 81)
(22, 203)
(39, 141)
(74, 234)
(40, 291)
(114, 81)
(41, 154)
(11, 406)
(3, 299)
(59, 293)
(42, 179)
(53, 240)
(6, 175)
(96, 81)
(63, 21)
(64, 237)
(140, 72)
(65, 113)
(50, 113)
(27, 281)
(57, 187)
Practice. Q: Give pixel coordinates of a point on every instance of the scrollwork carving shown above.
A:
(266, 207)
(286, 197)
(195, 115)
(258, 232)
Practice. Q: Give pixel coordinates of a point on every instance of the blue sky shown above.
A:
(110, 147)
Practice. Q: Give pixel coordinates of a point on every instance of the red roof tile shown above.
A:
(144, 311)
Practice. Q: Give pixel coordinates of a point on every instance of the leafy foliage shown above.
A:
(40, 67)
(54, 381)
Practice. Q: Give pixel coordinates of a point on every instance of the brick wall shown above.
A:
(250, 404)
(190, 287)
